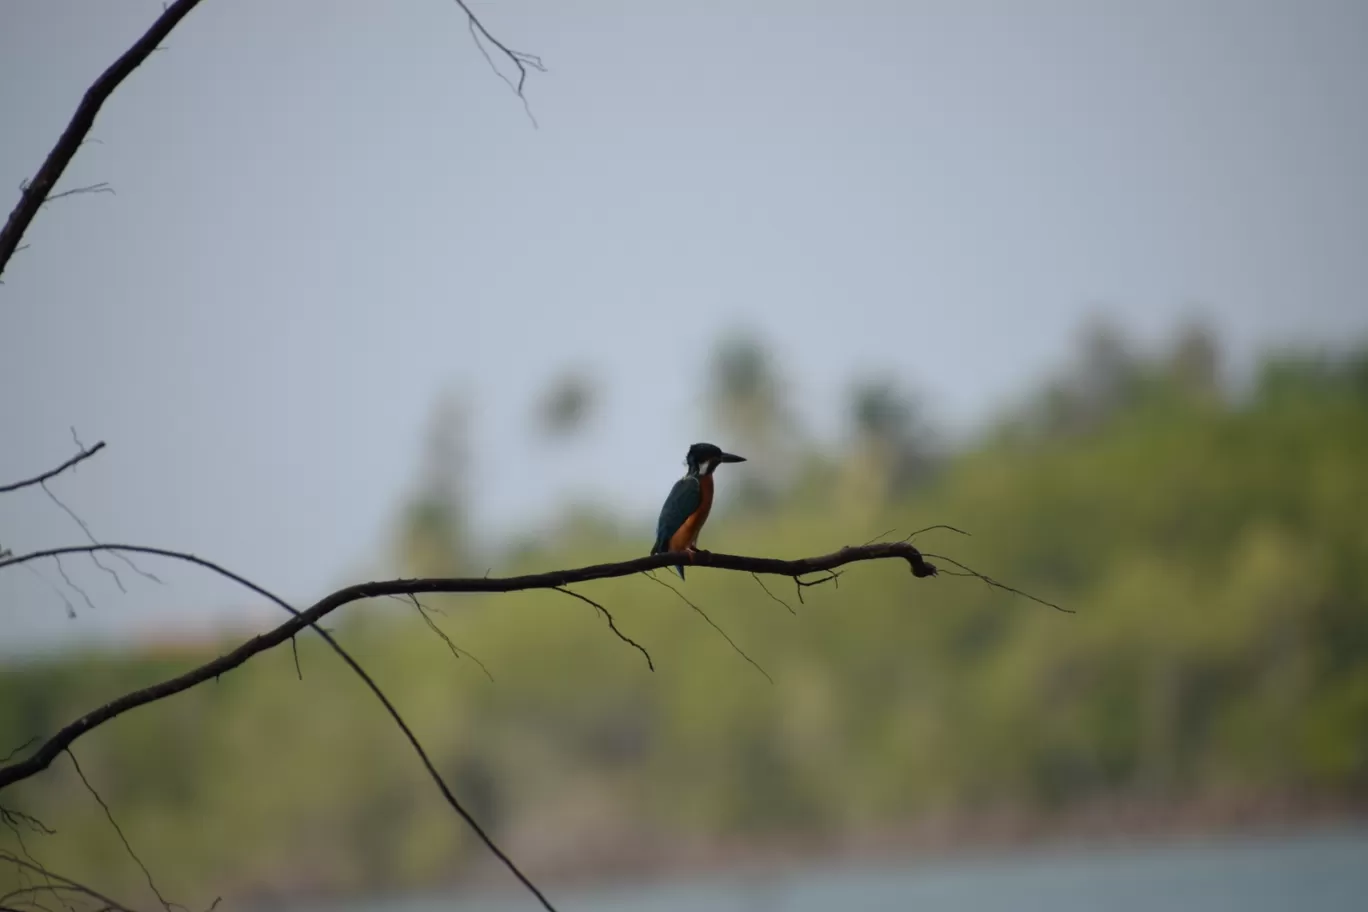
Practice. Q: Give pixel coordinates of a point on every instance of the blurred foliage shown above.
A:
(1215, 550)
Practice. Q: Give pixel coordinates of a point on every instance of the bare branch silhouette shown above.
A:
(52, 473)
(36, 192)
(63, 883)
(43, 756)
(520, 59)
(46, 753)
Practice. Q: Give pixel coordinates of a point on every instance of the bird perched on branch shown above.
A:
(690, 501)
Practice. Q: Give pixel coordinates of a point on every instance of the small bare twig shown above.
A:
(102, 187)
(13, 753)
(520, 59)
(15, 818)
(456, 651)
(995, 584)
(95, 541)
(65, 882)
(71, 612)
(756, 577)
(122, 838)
(612, 624)
(800, 584)
(704, 615)
(70, 608)
(932, 529)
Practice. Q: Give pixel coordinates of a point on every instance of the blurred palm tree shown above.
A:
(892, 443)
(433, 535)
(567, 405)
(1196, 361)
(746, 394)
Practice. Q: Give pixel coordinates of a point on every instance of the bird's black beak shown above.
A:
(731, 457)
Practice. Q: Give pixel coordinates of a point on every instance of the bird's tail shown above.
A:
(662, 545)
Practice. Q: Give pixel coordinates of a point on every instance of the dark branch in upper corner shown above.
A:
(520, 59)
(52, 473)
(38, 191)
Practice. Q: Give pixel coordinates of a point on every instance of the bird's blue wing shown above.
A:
(685, 497)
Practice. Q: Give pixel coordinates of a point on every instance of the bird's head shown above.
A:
(703, 458)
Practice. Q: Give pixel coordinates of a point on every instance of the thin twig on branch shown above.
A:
(128, 846)
(612, 624)
(520, 59)
(101, 187)
(704, 615)
(65, 882)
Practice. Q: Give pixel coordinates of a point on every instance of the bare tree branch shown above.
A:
(52, 473)
(40, 759)
(43, 756)
(37, 191)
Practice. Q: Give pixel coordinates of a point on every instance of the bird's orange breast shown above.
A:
(686, 536)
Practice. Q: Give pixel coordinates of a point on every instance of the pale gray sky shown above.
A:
(329, 210)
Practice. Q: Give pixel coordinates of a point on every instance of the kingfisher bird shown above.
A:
(690, 501)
